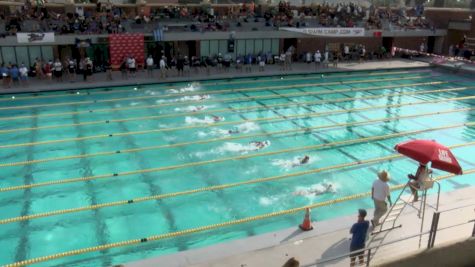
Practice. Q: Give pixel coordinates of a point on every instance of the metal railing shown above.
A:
(430, 234)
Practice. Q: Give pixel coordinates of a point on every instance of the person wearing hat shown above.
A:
(358, 231)
(379, 194)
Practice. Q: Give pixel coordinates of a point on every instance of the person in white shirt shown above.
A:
(325, 59)
(317, 58)
(23, 73)
(282, 61)
(163, 68)
(379, 193)
(58, 70)
(308, 58)
(346, 53)
(132, 67)
(150, 66)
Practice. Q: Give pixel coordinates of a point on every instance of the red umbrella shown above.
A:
(429, 150)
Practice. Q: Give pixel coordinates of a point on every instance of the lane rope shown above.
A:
(276, 87)
(240, 157)
(141, 107)
(202, 126)
(209, 188)
(207, 227)
(129, 90)
(304, 130)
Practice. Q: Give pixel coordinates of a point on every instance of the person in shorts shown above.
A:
(359, 230)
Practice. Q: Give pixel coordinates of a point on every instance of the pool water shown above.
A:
(149, 140)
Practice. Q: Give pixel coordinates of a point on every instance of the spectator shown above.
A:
(23, 74)
(150, 66)
(15, 74)
(359, 230)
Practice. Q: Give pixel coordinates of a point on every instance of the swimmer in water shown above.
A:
(260, 144)
(234, 131)
(301, 161)
(316, 192)
(198, 108)
(203, 97)
(217, 118)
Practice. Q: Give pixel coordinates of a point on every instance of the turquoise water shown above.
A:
(177, 149)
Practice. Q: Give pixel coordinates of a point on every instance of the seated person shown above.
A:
(418, 180)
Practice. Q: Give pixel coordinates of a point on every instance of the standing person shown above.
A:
(58, 70)
(150, 66)
(89, 67)
(5, 72)
(282, 61)
(359, 230)
(346, 52)
(123, 68)
(15, 74)
(71, 69)
(180, 64)
(187, 66)
(47, 70)
(163, 68)
(132, 66)
(335, 58)
(39, 68)
(379, 194)
(308, 57)
(325, 59)
(23, 74)
(317, 58)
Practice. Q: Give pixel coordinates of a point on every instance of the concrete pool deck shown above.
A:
(100, 79)
(329, 239)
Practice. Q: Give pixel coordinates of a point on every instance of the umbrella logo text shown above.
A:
(444, 156)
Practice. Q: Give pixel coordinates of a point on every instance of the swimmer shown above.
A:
(217, 118)
(198, 108)
(260, 144)
(304, 160)
(234, 131)
(301, 161)
(203, 97)
(316, 192)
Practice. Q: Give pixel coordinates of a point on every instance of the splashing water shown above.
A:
(195, 86)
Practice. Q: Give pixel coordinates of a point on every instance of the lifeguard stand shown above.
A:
(402, 201)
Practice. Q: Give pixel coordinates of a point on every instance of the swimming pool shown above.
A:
(93, 167)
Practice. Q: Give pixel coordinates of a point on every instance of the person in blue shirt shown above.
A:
(359, 231)
(15, 74)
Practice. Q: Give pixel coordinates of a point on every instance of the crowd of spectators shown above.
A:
(106, 18)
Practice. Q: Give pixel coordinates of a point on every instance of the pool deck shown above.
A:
(329, 239)
(100, 79)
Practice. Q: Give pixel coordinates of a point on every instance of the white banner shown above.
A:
(329, 32)
(35, 37)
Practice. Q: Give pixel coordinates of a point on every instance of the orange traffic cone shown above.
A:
(306, 224)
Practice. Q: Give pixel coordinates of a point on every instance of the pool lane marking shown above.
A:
(210, 188)
(208, 227)
(213, 112)
(323, 92)
(132, 87)
(240, 157)
(202, 126)
(276, 87)
(228, 138)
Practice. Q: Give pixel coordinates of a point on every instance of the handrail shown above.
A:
(345, 255)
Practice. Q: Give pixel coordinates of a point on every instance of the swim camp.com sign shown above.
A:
(329, 32)
(35, 37)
